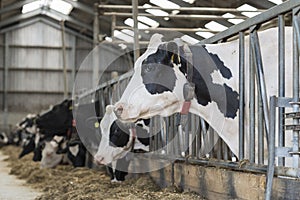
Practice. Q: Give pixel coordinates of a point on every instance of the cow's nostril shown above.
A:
(119, 111)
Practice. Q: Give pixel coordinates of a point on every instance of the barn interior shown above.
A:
(53, 50)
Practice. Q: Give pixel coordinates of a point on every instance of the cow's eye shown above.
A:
(148, 68)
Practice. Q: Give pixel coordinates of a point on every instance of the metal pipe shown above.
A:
(271, 147)
(260, 130)
(271, 13)
(5, 79)
(180, 9)
(134, 14)
(281, 83)
(113, 26)
(252, 105)
(296, 41)
(62, 23)
(242, 94)
(95, 53)
(193, 16)
(168, 29)
(73, 61)
(260, 78)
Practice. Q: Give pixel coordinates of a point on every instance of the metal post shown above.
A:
(73, 61)
(252, 105)
(295, 85)
(136, 46)
(95, 75)
(260, 77)
(271, 148)
(260, 131)
(281, 85)
(242, 95)
(62, 23)
(113, 26)
(5, 79)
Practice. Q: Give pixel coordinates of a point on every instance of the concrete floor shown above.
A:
(12, 188)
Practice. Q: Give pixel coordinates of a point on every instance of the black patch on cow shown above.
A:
(225, 71)
(79, 159)
(157, 70)
(56, 121)
(121, 169)
(29, 147)
(142, 135)
(117, 135)
(206, 91)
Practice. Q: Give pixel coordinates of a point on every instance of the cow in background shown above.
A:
(117, 140)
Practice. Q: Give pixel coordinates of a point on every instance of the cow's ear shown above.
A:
(173, 52)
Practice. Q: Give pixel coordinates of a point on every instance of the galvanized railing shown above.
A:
(199, 140)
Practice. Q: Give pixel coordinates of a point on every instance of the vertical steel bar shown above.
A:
(194, 129)
(95, 54)
(225, 151)
(241, 92)
(260, 78)
(5, 79)
(252, 104)
(64, 55)
(187, 135)
(113, 26)
(271, 147)
(136, 45)
(295, 84)
(73, 61)
(260, 130)
(281, 83)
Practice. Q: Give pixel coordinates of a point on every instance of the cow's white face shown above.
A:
(117, 138)
(156, 85)
(107, 152)
(49, 156)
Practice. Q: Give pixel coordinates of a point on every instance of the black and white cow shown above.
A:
(156, 87)
(3, 139)
(117, 140)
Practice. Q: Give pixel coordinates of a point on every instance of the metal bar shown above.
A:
(242, 94)
(73, 62)
(194, 128)
(134, 14)
(296, 41)
(169, 29)
(281, 83)
(271, 147)
(113, 25)
(191, 16)
(95, 53)
(260, 78)
(258, 19)
(180, 9)
(260, 130)
(62, 23)
(252, 104)
(5, 79)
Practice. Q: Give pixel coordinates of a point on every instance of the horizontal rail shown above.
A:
(129, 7)
(258, 19)
(105, 84)
(195, 16)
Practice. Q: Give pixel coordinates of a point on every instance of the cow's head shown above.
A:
(157, 85)
(117, 138)
(50, 157)
(153, 88)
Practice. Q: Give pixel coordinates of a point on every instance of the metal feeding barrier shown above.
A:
(196, 141)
